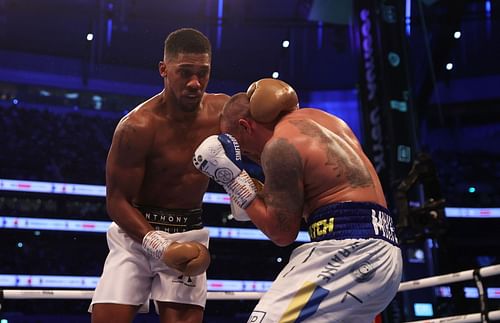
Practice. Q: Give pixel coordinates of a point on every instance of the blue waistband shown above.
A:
(352, 220)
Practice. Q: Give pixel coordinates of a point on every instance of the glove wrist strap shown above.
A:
(242, 190)
(155, 244)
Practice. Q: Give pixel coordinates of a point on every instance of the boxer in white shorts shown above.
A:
(149, 164)
(315, 171)
(131, 276)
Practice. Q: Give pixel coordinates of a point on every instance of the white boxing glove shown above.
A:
(219, 158)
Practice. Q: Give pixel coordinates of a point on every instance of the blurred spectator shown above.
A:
(42, 145)
(469, 178)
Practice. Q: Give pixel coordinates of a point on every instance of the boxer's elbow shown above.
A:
(113, 208)
(283, 238)
(283, 228)
(283, 242)
(117, 208)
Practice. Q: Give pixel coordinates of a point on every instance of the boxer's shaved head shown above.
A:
(234, 109)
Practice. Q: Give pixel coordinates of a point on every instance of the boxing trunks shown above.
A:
(349, 272)
(132, 277)
(172, 220)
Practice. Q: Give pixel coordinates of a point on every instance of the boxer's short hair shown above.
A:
(187, 40)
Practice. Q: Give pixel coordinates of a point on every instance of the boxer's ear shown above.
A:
(162, 68)
(245, 125)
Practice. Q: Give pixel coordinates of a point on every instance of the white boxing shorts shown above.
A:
(132, 277)
(337, 278)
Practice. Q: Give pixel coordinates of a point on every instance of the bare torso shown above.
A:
(335, 169)
(170, 179)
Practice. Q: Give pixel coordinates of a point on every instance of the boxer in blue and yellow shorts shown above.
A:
(315, 171)
(350, 270)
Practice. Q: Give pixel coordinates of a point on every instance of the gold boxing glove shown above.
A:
(269, 97)
(190, 258)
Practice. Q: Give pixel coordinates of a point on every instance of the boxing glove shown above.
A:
(190, 258)
(240, 214)
(219, 158)
(269, 98)
(258, 185)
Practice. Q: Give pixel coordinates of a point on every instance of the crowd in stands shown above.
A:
(53, 206)
(44, 145)
(469, 178)
(72, 147)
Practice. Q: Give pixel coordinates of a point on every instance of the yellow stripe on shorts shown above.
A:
(299, 300)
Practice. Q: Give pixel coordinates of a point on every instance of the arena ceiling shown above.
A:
(247, 35)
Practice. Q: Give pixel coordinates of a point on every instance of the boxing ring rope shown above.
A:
(472, 274)
(87, 294)
(448, 278)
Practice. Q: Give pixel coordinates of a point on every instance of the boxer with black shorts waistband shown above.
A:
(315, 170)
(171, 220)
(157, 243)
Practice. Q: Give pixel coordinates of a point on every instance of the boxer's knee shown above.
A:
(176, 312)
(113, 313)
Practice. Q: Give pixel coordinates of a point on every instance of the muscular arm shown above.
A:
(125, 168)
(278, 211)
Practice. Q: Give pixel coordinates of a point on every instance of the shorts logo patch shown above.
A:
(256, 317)
(186, 280)
(383, 226)
(363, 272)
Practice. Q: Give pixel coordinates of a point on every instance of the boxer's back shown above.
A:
(335, 167)
(170, 180)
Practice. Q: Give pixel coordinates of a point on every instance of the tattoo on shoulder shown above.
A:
(340, 156)
(282, 165)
